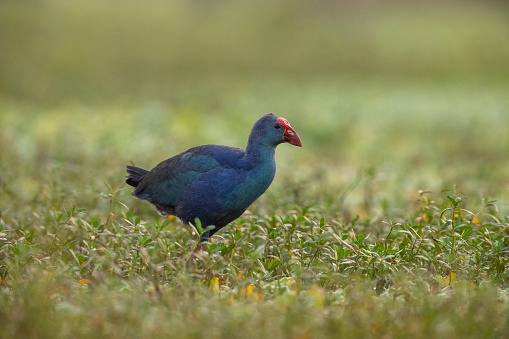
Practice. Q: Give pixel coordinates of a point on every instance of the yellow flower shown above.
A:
(447, 281)
(249, 293)
(422, 219)
(214, 285)
(317, 294)
(241, 273)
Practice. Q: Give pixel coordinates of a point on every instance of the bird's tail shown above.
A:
(135, 175)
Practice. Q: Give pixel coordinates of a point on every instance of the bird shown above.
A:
(213, 183)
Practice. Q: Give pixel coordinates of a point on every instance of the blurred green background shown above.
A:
(408, 95)
(388, 97)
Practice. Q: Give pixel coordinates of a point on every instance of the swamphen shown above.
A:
(215, 184)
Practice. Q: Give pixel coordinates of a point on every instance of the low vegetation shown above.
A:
(392, 221)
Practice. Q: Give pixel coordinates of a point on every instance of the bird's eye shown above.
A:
(277, 126)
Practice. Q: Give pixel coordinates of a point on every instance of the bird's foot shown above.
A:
(198, 255)
(200, 252)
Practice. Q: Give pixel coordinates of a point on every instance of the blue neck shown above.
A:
(259, 150)
(260, 166)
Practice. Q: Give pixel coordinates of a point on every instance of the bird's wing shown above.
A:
(165, 183)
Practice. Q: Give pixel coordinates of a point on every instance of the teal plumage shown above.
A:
(213, 183)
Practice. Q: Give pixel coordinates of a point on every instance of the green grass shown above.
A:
(392, 221)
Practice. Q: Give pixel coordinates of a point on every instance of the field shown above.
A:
(391, 221)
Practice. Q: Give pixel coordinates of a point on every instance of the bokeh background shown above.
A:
(388, 97)
(399, 104)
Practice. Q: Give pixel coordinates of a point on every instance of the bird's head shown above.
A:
(276, 130)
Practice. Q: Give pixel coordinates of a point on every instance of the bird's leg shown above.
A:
(199, 254)
(201, 248)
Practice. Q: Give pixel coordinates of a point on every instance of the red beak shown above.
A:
(290, 135)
